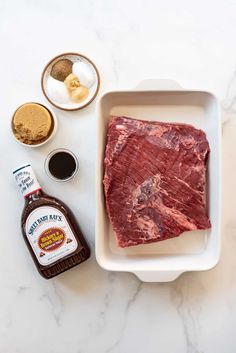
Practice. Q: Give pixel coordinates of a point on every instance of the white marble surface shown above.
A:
(89, 310)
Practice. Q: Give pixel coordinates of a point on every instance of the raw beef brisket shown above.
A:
(154, 180)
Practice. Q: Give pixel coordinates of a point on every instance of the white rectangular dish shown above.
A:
(166, 101)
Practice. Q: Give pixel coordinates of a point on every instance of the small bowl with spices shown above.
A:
(33, 124)
(70, 81)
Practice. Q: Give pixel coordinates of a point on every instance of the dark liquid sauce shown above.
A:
(82, 253)
(62, 165)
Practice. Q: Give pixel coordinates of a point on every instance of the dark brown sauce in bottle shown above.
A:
(49, 228)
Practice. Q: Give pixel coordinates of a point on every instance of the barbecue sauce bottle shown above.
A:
(49, 228)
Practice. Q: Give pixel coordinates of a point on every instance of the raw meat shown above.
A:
(155, 179)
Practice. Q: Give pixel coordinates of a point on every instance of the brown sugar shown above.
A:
(32, 123)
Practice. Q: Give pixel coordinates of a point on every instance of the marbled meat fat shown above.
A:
(155, 180)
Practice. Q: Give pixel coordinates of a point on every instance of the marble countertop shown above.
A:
(87, 309)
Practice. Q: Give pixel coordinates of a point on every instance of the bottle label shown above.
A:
(26, 180)
(50, 235)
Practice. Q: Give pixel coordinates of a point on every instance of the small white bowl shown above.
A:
(55, 127)
(93, 90)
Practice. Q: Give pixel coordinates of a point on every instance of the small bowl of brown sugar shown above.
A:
(33, 124)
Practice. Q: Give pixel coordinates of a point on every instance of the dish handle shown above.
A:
(165, 276)
(159, 85)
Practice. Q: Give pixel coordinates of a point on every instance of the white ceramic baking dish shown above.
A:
(166, 101)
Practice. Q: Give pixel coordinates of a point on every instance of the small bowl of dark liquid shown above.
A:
(61, 165)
